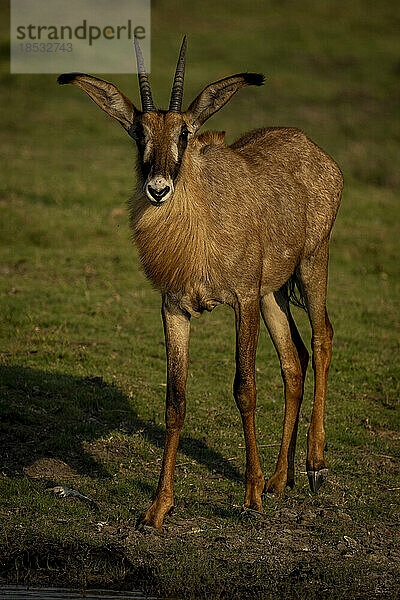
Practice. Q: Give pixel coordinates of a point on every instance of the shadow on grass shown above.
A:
(50, 415)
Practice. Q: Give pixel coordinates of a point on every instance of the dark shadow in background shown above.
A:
(51, 415)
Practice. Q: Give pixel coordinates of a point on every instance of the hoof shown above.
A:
(271, 491)
(147, 526)
(290, 483)
(248, 514)
(316, 479)
(147, 529)
(274, 487)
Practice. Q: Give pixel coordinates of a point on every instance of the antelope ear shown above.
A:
(217, 94)
(106, 95)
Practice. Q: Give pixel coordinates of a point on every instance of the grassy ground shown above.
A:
(82, 373)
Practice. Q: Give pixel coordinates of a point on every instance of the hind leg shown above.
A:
(293, 357)
(313, 273)
(303, 357)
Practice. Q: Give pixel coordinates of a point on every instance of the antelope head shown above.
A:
(162, 136)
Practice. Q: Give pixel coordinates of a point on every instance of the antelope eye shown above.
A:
(184, 134)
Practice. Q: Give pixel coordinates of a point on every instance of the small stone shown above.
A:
(351, 543)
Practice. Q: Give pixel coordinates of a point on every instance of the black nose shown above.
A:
(158, 194)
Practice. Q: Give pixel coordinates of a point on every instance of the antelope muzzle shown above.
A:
(158, 190)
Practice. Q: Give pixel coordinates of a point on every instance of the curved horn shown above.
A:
(144, 85)
(175, 104)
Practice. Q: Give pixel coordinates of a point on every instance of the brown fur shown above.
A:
(242, 216)
(232, 224)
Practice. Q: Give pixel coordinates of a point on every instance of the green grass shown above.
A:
(82, 367)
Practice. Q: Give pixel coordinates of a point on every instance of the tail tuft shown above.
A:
(295, 293)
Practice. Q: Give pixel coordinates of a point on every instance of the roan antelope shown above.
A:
(236, 225)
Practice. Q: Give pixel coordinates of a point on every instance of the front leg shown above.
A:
(177, 330)
(247, 328)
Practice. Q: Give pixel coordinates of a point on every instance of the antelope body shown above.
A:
(218, 224)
